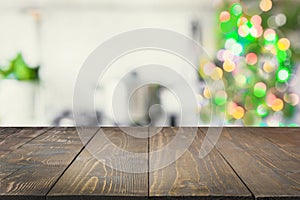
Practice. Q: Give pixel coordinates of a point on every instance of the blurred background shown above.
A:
(253, 45)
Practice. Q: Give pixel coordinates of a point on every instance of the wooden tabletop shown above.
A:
(55, 163)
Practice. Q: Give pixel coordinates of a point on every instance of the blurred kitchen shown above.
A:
(254, 46)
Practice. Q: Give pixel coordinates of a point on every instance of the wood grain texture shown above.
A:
(12, 139)
(36, 163)
(288, 139)
(41, 162)
(268, 170)
(6, 168)
(190, 176)
(16, 137)
(89, 177)
(5, 133)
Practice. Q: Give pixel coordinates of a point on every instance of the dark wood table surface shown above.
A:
(54, 163)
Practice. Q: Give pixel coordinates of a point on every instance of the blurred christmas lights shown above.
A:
(256, 68)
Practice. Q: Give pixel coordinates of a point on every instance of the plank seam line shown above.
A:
(252, 194)
(73, 160)
(42, 133)
(266, 138)
(5, 177)
(5, 128)
(21, 167)
(275, 144)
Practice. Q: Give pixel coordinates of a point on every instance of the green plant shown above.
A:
(18, 69)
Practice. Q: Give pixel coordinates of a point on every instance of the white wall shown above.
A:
(71, 30)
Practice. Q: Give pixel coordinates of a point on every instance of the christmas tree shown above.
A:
(255, 63)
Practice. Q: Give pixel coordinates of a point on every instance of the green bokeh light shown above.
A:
(254, 86)
(262, 110)
(220, 98)
(236, 9)
(260, 90)
(281, 55)
(283, 75)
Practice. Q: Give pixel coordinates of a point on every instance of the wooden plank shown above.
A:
(269, 171)
(287, 139)
(13, 138)
(191, 176)
(18, 137)
(5, 132)
(89, 177)
(41, 162)
(6, 168)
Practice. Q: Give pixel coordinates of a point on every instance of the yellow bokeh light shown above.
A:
(283, 44)
(265, 5)
(277, 105)
(217, 74)
(238, 112)
(268, 67)
(228, 65)
(206, 93)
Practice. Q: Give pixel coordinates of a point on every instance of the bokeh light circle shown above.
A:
(270, 98)
(256, 19)
(277, 105)
(251, 58)
(292, 99)
(220, 97)
(244, 30)
(283, 44)
(270, 35)
(262, 110)
(238, 112)
(260, 89)
(206, 93)
(280, 19)
(237, 49)
(268, 67)
(283, 75)
(241, 21)
(228, 55)
(229, 43)
(265, 5)
(217, 73)
(236, 9)
(224, 16)
(228, 65)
